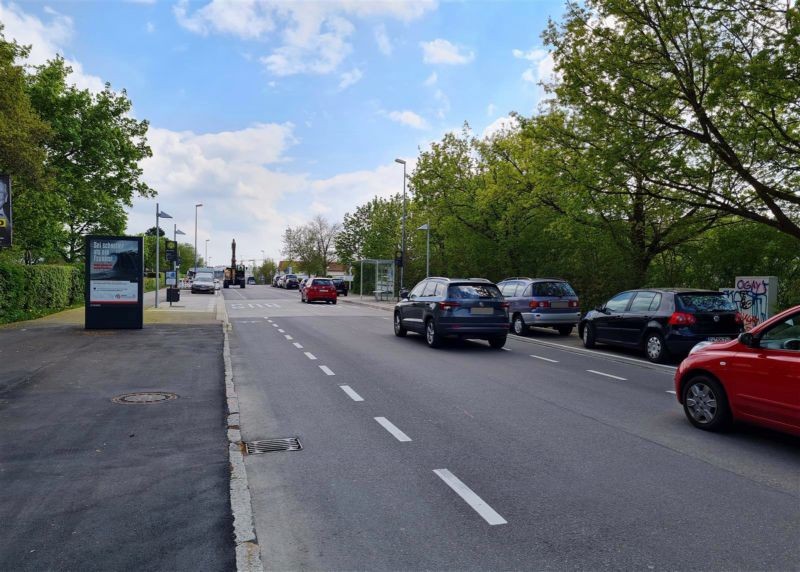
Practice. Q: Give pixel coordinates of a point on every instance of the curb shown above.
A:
(384, 307)
(248, 552)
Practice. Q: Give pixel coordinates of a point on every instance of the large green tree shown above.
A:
(718, 80)
(312, 244)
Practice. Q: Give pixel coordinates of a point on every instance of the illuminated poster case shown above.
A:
(114, 282)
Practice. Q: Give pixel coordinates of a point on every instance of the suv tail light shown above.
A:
(682, 319)
(537, 304)
(573, 303)
(446, 305)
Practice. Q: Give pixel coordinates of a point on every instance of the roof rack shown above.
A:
(516, 278)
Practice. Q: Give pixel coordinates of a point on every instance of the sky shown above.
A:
(269, 113)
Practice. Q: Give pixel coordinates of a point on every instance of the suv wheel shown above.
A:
(705, 404)
(433, 338)
(518, 325)
(399, 330)
(497, 342)
(588, 336)
(654, 347)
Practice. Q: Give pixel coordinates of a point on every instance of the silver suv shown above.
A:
(541, 302)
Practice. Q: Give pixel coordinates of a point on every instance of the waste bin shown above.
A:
(173, 295)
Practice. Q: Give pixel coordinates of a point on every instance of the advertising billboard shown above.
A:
(114, 282)
(5, 211)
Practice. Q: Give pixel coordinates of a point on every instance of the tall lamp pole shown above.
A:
(195, 236)
(206, 258)
(175, 233)
(159, 215)
(403, 242)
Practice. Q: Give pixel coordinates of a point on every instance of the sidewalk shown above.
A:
(368, 301)
(90, 484)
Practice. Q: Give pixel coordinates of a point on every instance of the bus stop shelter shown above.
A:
(381, 284)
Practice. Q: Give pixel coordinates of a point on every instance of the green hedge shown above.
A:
(32, 291)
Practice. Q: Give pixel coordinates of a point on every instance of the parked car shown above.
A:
(754, 378)
(291, 281)
(275, 281)
(316, 289)
(438, 308)
(217, 284)
(251, 280)
(662, 322)
(203, 282)
(541, 302)
(341, 286)
(282, 281)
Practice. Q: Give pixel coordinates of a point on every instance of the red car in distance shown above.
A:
(754, 378)
(318, 289)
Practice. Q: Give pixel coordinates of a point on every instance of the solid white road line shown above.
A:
(309, 355)
(545, 359)
(607, 375)
(477, 503)
(288, 337)
(327, 370)
(281, 331)
(298, 346)
(672, 391)
(386, 424)
(353, 395)
(506, 349)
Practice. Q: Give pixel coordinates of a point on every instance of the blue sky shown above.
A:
(271, 112)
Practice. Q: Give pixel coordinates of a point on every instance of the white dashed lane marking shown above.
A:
(327, 370)
(298, 346)
(352, 394)
(281, 331)
(545, 359)
(309, 355)
(389, 426)
(477, 503)
(672, 391)
(607, 375)
(288, 337)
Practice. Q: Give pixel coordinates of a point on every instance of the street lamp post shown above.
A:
(175, 233)
(159, 215)
(195, 236)
(403, 241)
(427, 228)
(206, 257)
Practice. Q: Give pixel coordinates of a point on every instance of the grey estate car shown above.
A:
(437, 307)
(541, 302)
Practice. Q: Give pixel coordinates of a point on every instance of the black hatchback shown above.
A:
(662, 321)
(439, 308)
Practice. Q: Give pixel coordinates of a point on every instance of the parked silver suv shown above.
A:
(540, 302)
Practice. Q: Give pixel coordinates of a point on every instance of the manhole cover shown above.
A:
(272, 445)
(144, 397)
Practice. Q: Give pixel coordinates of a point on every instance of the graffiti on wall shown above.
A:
(755, 298)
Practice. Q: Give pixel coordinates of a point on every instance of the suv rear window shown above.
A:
(322, 282)
(474, 292)
(291, 277)
(706, 302)
(552, 289)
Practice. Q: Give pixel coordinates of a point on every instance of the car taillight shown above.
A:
(573, 303)
(536, 304)
(682, 319)
(505, 305)
(446, 305)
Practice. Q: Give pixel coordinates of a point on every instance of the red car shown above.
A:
(318, 289)
(754, 378)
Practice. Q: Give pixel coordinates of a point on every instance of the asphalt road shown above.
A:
(538, 457)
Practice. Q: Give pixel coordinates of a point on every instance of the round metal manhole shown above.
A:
(144, 398)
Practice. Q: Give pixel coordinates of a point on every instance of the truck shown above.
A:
(234, 275)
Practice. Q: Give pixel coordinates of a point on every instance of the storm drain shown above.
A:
(144, 398)
(272, 445)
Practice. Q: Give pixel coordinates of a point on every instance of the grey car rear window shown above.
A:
(474, 292)
(552, 289)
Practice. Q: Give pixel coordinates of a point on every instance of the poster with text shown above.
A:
(5, 211)
(114, 271)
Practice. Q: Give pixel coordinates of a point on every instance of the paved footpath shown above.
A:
(90, 484)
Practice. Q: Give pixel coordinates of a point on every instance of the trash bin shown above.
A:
(173, 295)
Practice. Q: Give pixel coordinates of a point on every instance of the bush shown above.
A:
(33, 291)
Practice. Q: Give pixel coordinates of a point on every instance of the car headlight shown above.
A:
(699, 346)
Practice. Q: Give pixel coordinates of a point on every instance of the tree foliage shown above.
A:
(312, 244)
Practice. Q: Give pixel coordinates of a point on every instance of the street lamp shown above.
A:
(206, 257)
(403, 242)
(195, 236)
(427, 228)
(175, 232)
(159, 215)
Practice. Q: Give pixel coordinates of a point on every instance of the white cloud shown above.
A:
(408, 118)
(500, 125)
(47, 39)
(383, 41)
(441, 51)
(150, 27)
(431, 80)
(491, 109)
(542, 67)
(350, 78)
(533, 55)
(314, 36)
(444, 103)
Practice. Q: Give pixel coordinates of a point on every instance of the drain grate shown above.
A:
(144, 398)
(272, 445)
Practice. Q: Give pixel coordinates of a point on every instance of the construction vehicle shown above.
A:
(234, 275)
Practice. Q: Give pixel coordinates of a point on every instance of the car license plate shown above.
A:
(482, 311)
(719, 339)
(560, 304)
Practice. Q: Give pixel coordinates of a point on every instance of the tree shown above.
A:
(93, 155)
(312, 245)
(371, 231)
(152, 231)
(718, 80)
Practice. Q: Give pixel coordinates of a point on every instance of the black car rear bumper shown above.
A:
(681, 344)
(466, 330)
